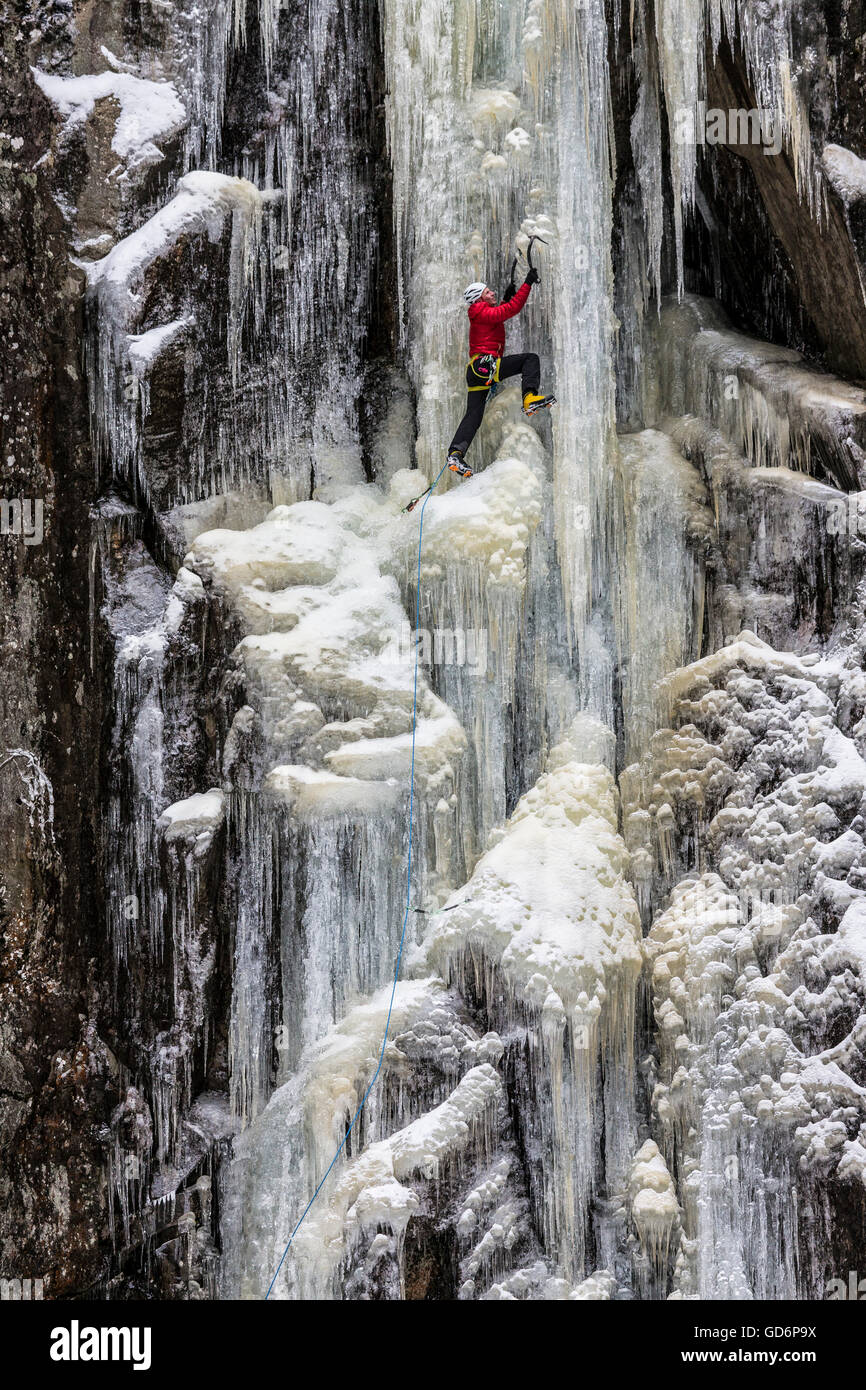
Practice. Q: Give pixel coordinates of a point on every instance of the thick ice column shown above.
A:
(428, 48)
(473, 628)
(577, 159)
(546, 934)
(486, 161)
(681, 47)
(666, 524)
(320, 762)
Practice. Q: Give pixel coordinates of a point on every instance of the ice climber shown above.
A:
(487, 366)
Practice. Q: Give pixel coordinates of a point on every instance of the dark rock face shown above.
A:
(789, 274)
(101, 1057)
(58, 1076)
(821, 254)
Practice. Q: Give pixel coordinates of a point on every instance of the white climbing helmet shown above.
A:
(474, 291)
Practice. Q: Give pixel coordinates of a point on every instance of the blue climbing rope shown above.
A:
(302, 1217)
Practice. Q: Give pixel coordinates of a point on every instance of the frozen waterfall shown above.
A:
(625, 1058)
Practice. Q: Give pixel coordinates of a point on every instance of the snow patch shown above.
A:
(846, 171)
(149, 111)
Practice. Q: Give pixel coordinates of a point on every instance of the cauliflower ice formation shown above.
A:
(754, 800)
(546, 933)
(434, 1117)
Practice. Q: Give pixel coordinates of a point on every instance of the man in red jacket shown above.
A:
(487, 366)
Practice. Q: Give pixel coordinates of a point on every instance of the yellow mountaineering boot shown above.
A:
(532, 403)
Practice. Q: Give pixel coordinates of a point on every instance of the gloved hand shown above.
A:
(532, 277)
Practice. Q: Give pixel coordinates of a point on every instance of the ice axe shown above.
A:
(529, 249)
(510, 287)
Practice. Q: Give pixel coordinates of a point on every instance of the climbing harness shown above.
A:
(484, 366)
(409, 908)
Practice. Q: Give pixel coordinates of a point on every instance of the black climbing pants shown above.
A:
(526, 363)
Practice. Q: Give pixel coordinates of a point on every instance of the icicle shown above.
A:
(119, 359)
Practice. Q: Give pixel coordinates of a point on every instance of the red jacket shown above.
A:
(487, 323)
